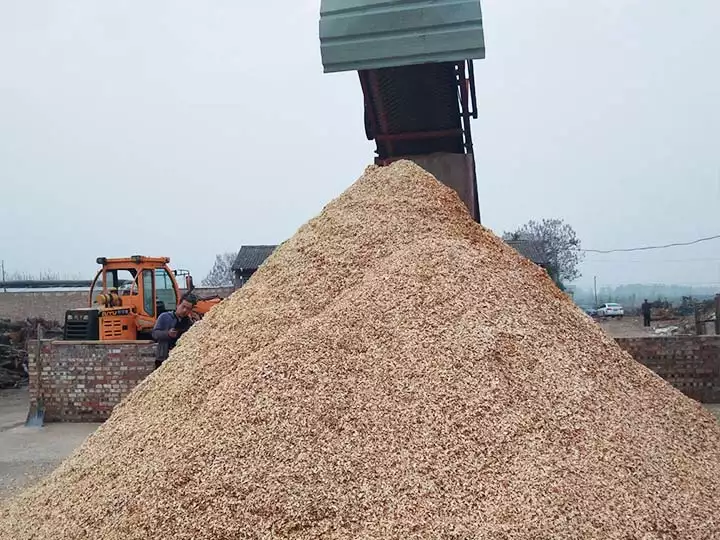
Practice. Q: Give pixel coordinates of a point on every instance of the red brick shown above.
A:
(690, 363)
(84, 382)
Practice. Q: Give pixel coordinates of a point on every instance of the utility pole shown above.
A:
(596, 300)
(2, 265)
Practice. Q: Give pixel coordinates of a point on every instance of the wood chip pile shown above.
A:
(392, 371)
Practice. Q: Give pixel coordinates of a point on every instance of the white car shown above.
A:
(610, 310)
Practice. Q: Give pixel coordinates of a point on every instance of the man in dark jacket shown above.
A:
(646, 311)
(170, 326)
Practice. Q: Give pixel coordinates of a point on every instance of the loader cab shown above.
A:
(130, 294)
(126, 298)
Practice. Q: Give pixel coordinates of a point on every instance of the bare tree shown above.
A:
(221, 274)
(44, 275)
(558, 244)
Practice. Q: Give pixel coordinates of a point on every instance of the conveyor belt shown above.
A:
(419, 110)
(413, 110)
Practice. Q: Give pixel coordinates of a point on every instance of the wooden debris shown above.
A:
(392, 371)
(14, 338)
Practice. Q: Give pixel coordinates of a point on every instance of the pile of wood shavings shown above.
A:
(392, 371)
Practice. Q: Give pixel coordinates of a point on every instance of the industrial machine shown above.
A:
(414, 60)
(126, 298)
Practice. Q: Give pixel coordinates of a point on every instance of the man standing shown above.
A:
(170, 326)
(646, 313)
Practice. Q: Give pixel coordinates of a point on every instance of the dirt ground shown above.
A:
(28, 454)
(633, 327)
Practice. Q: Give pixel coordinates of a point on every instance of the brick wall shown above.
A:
(83, 381)
(18, 306)
(690, 363)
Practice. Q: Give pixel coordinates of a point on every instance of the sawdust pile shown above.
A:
(393, 371)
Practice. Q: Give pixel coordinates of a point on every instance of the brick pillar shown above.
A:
(699, 323)
(38, 352)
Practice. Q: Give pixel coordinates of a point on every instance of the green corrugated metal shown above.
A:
(373, 34)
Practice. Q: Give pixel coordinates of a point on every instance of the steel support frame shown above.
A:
(467, 97)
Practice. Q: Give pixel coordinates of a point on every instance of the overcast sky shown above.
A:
(187, 129)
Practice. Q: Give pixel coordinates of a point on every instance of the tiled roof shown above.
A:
(251, 257)
(529, 249)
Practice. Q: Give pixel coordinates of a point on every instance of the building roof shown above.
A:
(373, 34)
(251, 257)
(530, 250)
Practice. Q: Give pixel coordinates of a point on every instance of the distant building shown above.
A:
(532, 250)
(248, 260)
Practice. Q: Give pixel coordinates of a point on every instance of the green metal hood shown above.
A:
(372, 34)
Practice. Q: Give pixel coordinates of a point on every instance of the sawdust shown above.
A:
(392, 371)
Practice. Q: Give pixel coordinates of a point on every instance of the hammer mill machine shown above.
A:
(414, 59)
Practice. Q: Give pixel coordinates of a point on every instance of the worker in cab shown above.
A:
(170, 326)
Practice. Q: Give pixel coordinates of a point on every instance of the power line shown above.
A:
(650, 261)
(648, 248)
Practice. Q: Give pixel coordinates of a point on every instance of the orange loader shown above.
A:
(126, 298)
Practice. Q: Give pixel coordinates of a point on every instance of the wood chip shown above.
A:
(392, 371)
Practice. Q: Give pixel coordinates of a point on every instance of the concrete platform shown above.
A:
(28, 454)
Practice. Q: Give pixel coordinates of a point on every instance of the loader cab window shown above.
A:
(123, 282)
(148, 298)
(165, 289)
(96, 288)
